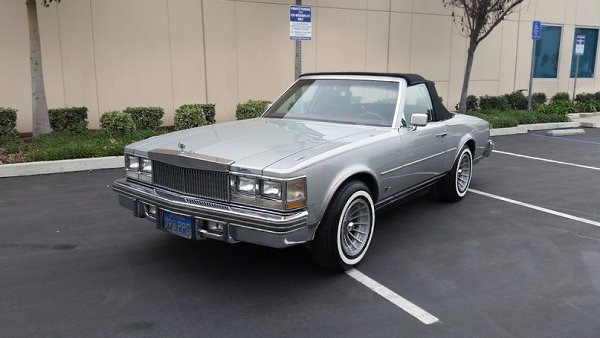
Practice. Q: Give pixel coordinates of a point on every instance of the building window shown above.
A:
(587, 61)
(546, 53)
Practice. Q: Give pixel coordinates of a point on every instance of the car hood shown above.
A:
(252, 144)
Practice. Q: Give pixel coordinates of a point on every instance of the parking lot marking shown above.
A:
(546, 160)
(565, 139)
(401, 302)
(535, 207)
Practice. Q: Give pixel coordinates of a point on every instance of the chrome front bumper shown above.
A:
(277, 230)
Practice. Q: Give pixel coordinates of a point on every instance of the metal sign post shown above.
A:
(536, 34)
(579, 49)
(300, 29)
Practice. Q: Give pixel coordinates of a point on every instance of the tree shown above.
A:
(476, 19)
(41, 122)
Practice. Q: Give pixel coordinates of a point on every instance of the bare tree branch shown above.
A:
(476, 19)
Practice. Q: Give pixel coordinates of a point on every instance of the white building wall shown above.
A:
(110, 54)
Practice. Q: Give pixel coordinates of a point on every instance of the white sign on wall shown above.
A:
(300, 22)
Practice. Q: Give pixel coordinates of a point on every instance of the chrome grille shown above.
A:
(195, 182)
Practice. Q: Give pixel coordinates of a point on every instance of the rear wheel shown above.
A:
(455, 185)
(344, 235)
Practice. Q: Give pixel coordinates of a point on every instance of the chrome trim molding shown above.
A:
(417, 161)
(251, 218)
(396, 197)
(190, 160)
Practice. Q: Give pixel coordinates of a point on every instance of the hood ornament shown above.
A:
(181, 146)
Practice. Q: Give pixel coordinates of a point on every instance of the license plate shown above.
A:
(177, 224)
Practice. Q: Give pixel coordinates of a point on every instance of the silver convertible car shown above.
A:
(314, 169)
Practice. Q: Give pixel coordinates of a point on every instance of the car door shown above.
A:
(423, 148)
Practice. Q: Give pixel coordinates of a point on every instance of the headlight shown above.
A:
(295, 194)
(138, 168)
(295, 190)
(132, 163)
(146, 167)
(268, 193)
(145, 170)
(246, 185)
(132, 166)
(270, 189)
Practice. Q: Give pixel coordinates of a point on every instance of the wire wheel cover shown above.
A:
(356, 227)
(463, 173)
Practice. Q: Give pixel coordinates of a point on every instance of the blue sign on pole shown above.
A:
(536, 30)
(300, 22)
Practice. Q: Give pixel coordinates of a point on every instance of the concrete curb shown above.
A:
(524, 128)
(62, 166)
(566, 132)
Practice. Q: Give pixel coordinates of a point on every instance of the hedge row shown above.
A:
(553, 112)
(513, 101)
(194, 115)
(8, 122)
(74, 119)
(251, 109)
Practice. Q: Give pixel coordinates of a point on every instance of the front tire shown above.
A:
(455, 185)
(345, 233)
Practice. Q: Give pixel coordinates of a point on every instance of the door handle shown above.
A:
(441, 135)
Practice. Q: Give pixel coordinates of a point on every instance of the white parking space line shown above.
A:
(535, 207)
(546, 160)
(401, 302)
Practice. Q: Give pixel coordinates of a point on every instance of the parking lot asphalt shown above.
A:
(73, 263)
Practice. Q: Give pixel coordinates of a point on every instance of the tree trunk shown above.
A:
(41, 123)
(462, 107)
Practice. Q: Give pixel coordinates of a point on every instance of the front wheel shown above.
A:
(454, 186)
(344, 235)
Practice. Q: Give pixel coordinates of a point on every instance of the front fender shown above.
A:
(323, 190)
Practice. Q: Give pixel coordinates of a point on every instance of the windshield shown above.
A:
(365, 102)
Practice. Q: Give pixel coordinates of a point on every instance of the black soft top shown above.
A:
(441, 112)
(411, 79)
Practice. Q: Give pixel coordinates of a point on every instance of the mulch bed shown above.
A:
(6, 157)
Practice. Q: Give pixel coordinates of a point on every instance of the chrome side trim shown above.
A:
(417, 161)
(396, 197)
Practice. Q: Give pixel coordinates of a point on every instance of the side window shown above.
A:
(418, 101)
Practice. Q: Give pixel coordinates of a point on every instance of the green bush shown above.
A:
(516, 100)
(117, 123)
(8, 122)
(472, 103)
(539, 99)
(526, 117)
(146, 118)
(209, 112)
(555, 112)
(250, 109)
(63, 145)
(587, 106)
(493, 103)
(189, 116)
(497, 118)
(74, 119)
(585, 97)
(560, 97)
(597, 96)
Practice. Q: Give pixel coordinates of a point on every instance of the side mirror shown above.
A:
(418, 120)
